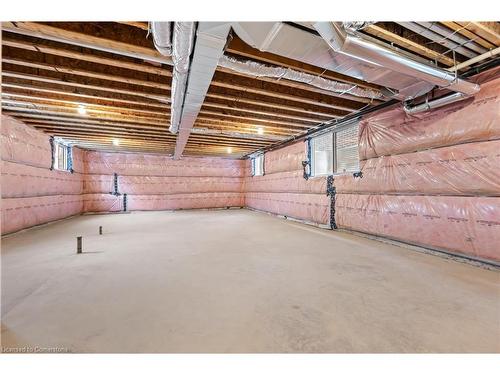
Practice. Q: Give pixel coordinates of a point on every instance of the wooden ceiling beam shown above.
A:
(312, 111)
(63, 93)
(85, 73)
(140, 25)
(36, 78)
(83, 120)
(257, 120)
(260, 112)
(391, 37)
(244, 128)
(30, 99)
(39, 47)
(214, 121)
(489, 31)
(454, 26)
(63, 111)
(56, 34)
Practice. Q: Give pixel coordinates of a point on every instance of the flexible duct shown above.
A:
(354, 45)
(256, 69)
(436, 103)
(182, 48)
(162, 37)
(357, 25)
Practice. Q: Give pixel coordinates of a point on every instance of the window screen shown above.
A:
(258, 165)
(322, 154)
(346, 149)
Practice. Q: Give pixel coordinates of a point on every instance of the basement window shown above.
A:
(62, 156)
(335, 152)
(258, 165)
(322, 155)
(346, 159)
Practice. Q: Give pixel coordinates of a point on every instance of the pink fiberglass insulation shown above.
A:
(291, 182)
(468, 225)
(20, 213)
(466, 169)
(156, 182)
(284, 191)
(23, 144)
(160, 165)
(309, 207)
(21, 180)
(392, 131)
(285, 159)
(185, 201)
(161, 184)
(102, 203)
(32, 194)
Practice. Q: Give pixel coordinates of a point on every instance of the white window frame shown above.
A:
(61, 164)
(258, 160)
(334, 170)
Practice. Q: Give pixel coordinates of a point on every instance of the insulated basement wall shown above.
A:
(33, 194)
(431, 179)
(157, 182)
(283, 190)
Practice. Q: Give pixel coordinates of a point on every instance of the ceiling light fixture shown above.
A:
(260, 130)
(116, 142)
(82, 110)
(229, 150)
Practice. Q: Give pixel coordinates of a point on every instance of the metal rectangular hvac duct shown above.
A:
(211, 38)
(360, 61)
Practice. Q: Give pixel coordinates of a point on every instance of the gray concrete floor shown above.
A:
(236, 281)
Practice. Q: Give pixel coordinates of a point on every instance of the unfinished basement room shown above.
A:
(250, 187)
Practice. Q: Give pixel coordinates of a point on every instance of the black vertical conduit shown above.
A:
(125, 202)
(331, 191)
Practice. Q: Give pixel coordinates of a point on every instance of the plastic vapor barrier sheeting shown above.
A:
(468, 225)
(161, 184)
(291, 182)
(23, 144)
(466, 169)
(308, 207)
(284, 191)
(285, 159)
(158, 165)
(21, 180)
(185, 201)
(20, 213)
(392, 131)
